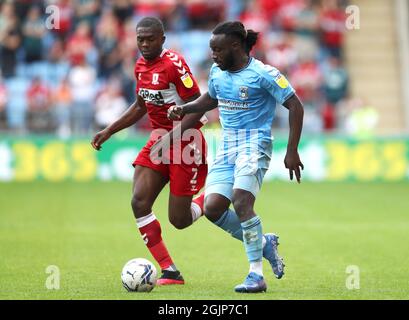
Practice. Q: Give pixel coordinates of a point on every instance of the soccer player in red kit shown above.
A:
(163, 80)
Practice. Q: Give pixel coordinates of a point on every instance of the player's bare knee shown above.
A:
(140, 206)
(212, 211)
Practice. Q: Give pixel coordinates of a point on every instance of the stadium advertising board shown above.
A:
(325, 159)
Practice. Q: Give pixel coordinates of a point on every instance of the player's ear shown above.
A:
(163, 39)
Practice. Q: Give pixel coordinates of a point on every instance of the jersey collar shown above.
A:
(248, 63)
(150, 62)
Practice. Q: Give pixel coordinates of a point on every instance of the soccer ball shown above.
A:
(139, 275)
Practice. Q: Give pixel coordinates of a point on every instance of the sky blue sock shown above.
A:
(253, 239)
(230, 222)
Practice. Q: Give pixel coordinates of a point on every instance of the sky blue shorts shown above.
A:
(242, 170)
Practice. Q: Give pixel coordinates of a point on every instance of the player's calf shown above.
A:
(184, 211)
(180, 222)
(243, 203)
(141, 207)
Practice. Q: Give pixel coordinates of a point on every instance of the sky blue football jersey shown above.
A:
(248, 97)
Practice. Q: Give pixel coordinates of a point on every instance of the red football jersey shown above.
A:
(164, 82)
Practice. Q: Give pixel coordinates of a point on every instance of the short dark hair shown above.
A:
(237, 29)
(151, 22)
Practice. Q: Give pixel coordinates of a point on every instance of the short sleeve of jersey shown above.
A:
(276, 84)
(181, 76)
(212, 90)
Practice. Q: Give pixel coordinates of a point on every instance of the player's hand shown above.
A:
(293, 164)
(100, 138)
(175, 112)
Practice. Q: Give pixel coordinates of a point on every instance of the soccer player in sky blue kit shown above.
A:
(246, 92)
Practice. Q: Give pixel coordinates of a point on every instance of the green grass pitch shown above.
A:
(88, 231)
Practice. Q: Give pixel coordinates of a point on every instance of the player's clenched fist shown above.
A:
(100, 138)
(175, 112)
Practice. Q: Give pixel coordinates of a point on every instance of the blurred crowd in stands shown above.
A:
(75, 75)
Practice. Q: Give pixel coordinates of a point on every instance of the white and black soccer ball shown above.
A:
(139, 275)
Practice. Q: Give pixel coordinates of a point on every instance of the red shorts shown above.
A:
(185, 178)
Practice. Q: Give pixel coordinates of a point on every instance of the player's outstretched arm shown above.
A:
(195, 110)
(135, 112)
(204, 103)
(292, 159)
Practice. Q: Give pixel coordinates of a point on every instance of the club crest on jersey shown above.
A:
(187, 80)
(243, 93)
(155, 78)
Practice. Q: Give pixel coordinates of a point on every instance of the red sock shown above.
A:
(151, 232)
(200, 201)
